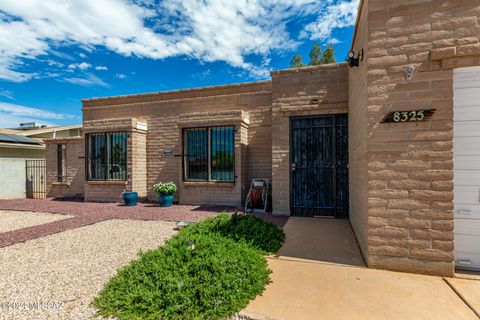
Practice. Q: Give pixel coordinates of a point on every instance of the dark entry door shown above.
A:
(319, 166)
(36, 174)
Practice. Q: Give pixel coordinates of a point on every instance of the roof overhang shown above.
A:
(33, 132)
(22, 146)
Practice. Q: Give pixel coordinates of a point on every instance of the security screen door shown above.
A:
(319, 166)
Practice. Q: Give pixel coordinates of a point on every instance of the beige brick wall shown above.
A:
(138, 170)
(357, 126)
(163, 112)
(214, 193)
(410, 164)
(292, 94)
(106, 191)
(73, 186)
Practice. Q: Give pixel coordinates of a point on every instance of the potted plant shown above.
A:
(166, 192)
(130, 199)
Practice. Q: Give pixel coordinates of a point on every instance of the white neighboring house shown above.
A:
(22, 150)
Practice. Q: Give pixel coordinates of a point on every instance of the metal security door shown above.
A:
(35, 184)
(319, 166)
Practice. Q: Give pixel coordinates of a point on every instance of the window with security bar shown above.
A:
(106, 156)
(209, 154)
(61, 163)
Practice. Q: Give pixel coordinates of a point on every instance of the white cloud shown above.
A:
(13, 110)
(333, 41)
(203, 75)
(340, 15)
(220, 30)
(89, 80)
(9, 121)
(80, 66)
(101, 68)
(121, 76)
(6, 94)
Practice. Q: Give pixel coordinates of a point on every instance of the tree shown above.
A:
(315, 55)
(297, 61)
(328, 55)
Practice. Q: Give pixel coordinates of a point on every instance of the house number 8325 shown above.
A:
(402, 116)
(408, 116)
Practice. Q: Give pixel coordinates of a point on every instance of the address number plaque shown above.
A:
(408, 116)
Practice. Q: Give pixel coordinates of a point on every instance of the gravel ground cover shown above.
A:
(14, 220)
(86, 213)
(58, 275)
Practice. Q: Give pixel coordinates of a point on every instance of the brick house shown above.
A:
(390, 144)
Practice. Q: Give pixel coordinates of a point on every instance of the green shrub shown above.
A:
(165, 188)
(209, 270)
(260, 234)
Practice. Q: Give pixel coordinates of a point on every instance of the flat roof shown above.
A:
(48, 129)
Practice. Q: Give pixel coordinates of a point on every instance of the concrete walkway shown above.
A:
(469, 291)
(308, 290)
(321, 239)
(320, 274)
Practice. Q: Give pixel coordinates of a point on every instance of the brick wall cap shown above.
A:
(106, 182)
(65, 139)
(264, 85)
(61, 184)
(309, 68)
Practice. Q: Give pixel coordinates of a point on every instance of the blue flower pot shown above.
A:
(130, 198)
(166, 200)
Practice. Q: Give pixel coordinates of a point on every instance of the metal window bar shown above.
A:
(222, 149)
(106, 156)
(209, 154)
(61, 163)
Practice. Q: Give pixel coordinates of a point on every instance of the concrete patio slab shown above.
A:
(321, 239)
(15, 220)
(306, 290)
(469, 291)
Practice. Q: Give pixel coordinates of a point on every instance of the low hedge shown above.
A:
(209, 270)
(260, 234)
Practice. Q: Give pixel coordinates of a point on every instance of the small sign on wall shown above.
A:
(168, 152)
(408, 116)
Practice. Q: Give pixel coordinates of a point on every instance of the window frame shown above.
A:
(209, 155)
(107, 135)
(61, 162)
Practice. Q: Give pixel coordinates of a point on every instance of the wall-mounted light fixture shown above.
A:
(409, 71)
(354, 61)
(315, 100)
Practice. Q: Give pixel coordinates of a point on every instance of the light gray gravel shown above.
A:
(71, 267)
(14, 220)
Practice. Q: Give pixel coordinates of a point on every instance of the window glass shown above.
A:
(196, 154)
(209, 154)
(222, 153)
(107, 156)
(61, 163)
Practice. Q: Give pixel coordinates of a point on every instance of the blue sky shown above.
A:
(55, 53)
